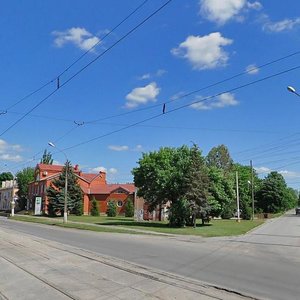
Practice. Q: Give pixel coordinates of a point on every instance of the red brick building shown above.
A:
(92, 185)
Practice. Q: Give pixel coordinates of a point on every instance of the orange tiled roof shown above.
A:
(109, 188)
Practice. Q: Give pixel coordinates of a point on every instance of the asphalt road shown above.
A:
(264, 263)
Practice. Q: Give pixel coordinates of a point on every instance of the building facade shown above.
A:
(93, 185)
(8, 192)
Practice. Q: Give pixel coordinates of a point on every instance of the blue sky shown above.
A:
(187, 46)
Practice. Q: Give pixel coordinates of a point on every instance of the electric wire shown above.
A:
(77, 60)
(184, 106)
(86, 66)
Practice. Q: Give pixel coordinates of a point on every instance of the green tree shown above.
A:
(6, 176)
(56, 193)
(274, 196)
(46, 158)
(24, 177)
(219, 157)
(179, 213)
(159, 176)
(222, 193)
(111, 209)
(129, 208)
(94, 208)
(196, 189)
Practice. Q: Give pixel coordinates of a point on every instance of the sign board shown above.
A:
(38, 206)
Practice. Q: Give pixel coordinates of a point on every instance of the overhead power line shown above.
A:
(57, 77)
(87, 65)
(184, 106)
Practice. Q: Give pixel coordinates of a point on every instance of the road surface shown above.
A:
(264, 263)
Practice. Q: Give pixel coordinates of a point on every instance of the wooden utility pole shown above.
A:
(237, 196)
(252, 189)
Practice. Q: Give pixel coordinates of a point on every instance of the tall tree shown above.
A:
(6, 176)
(274, 195)
(219, 157)
(196, 179)
(47, 158)
(56, 193)
(222, 194)
(24, 177)
(159, 176)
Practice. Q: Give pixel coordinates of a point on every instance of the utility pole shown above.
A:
(237, 196)
(252, 189)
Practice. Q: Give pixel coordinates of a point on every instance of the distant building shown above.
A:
(8, 191)
(93, 185)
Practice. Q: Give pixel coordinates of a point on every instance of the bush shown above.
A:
(129, 209)
(94, 208)
(111, 209)
(179, 213)
(246, 213)
(227, 212)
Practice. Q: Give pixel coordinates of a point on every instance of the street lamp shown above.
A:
(66, 183)
(292, 90)
(13, 203)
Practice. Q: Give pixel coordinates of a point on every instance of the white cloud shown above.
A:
(77, 36)
(158, 73)
(11, 157)
(262, 170)
(110, 171)
(252, 69)
(7, 151)
(284, 25)
(289, 174)
(138, 148)
(145, 76)
(221, 11)
(113, 171)
(254, 5)
(204, 52)
(142, 95)
(99, 169)
(118, 148)
(221, 101)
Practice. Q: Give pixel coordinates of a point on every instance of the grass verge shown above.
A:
(59, 223)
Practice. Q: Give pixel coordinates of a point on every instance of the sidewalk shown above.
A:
(34, 268)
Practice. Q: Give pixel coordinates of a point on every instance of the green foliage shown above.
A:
(197, 182)
(171, 174)
(46, 158)
(24, 177)
(111, 209)
(222, 192)
(94, 208)
(129, 208)
(56, 193)
(179, 213)
(6, 176)
(219, 157)
(159, 176)
(274, 195)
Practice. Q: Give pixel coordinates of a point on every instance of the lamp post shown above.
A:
(65, 220)
(293, 90)
(13, 203)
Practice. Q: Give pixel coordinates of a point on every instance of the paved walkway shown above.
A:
(34, 268)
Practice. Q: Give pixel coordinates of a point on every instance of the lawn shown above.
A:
(127, 225)
(214, 228)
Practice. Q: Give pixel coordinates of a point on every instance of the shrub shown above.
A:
(111, 209)
(179, 213)
(129, 209)
(94, 208)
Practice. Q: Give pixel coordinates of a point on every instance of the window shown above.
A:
(120, 203)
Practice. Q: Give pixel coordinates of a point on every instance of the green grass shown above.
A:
(214, 228)
(58, 222)
(111, 224)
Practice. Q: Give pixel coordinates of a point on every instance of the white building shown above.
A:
(8, 191)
